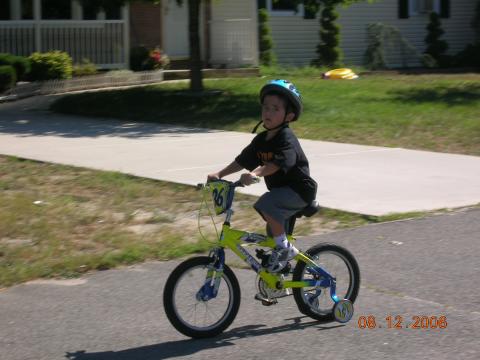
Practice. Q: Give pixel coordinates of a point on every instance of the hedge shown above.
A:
(8, 77)
(21, 64)
(50, 65)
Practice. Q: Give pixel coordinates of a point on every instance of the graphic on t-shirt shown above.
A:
(265, 156)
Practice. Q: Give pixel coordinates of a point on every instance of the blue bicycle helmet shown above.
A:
(286, 88)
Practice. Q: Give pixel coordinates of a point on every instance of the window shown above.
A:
(4, 10)
(89, 11)
(283, 5)
(27, 9)
(113, 12)
(56, 9)
(284, 8)
(424, 7)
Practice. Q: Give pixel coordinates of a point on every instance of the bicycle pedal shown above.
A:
(265, 301)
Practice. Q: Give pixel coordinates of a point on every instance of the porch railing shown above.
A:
(100, 41)
(106, 80)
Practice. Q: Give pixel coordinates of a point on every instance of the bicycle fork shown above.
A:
(210, 287)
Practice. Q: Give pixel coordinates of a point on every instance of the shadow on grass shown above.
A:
(136, 113)
(188, 347)
(462, 95)
(218, 109)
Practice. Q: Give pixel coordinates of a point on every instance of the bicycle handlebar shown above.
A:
(237, 183)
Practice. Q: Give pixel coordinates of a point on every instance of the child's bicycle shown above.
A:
(202, 295)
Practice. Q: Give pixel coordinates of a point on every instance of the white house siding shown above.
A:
(295, 39)
(233, 33)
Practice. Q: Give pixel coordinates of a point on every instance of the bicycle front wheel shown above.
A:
(315, 302)
(192, 316)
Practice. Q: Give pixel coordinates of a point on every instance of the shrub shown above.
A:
(384, 37)
(476, 22)
(86, 67)
(329, 53)
(50, 65)
(470, 56)
(138, 55)
(21, 64)
(436, 47)
(8, 77)
(267, 57)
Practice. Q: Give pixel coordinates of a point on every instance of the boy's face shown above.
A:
(273, 112)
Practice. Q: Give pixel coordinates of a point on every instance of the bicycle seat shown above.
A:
(310, 210)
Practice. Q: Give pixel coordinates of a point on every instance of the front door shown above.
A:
(175, 29)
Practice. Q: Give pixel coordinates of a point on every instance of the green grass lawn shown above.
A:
(429, 112)
(61, 221)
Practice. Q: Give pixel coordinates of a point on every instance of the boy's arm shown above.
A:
(265, 170)
(230, 169)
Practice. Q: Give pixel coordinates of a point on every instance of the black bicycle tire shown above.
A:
(169, 306)
(353, 289)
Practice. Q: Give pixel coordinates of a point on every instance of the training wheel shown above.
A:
(343, 311)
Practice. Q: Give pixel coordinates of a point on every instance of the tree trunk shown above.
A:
(196, 83)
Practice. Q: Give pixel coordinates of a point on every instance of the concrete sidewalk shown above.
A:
(362, 179)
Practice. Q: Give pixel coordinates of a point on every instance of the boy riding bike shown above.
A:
(276, 154)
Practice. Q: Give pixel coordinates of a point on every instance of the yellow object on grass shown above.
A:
(342, 74)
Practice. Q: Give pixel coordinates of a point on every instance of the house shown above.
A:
(296, 35)
(228, 30)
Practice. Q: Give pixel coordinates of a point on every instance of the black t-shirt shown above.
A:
(285, 151)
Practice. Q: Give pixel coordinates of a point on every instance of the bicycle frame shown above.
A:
(237, 240)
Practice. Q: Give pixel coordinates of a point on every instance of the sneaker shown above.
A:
(280, 257)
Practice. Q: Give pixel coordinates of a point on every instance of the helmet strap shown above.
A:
(256, 127)
(283, 124)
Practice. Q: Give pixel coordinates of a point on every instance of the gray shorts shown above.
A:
(280, 203)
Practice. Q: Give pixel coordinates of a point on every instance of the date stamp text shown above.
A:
(402, 322)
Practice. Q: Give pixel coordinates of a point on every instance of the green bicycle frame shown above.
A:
(237, 240)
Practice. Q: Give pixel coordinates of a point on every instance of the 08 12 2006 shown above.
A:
(403, 322)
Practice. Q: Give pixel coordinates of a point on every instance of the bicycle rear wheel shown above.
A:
(338, 262)
(194, 317)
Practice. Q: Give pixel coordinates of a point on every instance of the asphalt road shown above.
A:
(418, 267)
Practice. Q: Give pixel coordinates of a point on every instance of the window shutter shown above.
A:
(262, 4)
(445, 8)
(403, 9)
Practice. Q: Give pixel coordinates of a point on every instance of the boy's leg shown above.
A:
(276, 228)
(275, 207)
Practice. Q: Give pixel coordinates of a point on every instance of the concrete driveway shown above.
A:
(361, 179)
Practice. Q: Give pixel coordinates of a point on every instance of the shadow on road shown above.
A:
(187, 347)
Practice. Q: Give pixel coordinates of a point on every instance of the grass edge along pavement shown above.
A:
(59, 221)
(435, 112)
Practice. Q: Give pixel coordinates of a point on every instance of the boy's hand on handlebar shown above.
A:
(249, 179)
(213, 177)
